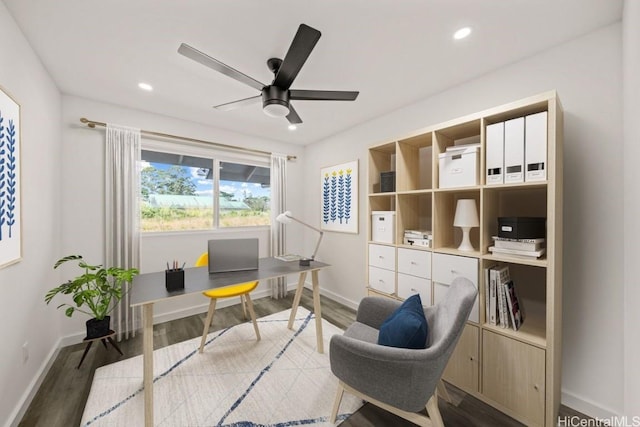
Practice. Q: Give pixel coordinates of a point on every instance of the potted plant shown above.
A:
(95, 292)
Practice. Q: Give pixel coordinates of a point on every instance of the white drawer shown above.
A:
(382, 256)
(414, 262)
(448, 267)
(409, 285)
(382, 280)
(439, 292)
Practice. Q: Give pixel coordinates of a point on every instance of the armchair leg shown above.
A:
(442, 391)
(434, 412)
(336, 403)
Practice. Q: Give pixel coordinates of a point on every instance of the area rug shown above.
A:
(278, 381)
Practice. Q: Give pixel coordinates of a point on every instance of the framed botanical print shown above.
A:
(340, 197)
(10, 215)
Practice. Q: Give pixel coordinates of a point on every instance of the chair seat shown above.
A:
(231, 291)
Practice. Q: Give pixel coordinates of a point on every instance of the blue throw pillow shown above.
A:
(406, 327)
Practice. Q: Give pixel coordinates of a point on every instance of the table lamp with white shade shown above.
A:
(466, 217)
(286, 218)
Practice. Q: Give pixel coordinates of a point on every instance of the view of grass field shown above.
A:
(176, 219)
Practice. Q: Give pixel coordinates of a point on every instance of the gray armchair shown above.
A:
(402, 381)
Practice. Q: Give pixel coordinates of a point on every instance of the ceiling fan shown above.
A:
(276, 96)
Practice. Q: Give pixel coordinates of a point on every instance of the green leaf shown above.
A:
(65, 259)
(69, 311)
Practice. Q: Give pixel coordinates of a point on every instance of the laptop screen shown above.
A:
(233, 255)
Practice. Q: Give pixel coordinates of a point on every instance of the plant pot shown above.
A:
(98, 328)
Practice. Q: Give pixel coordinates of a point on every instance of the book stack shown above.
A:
(519, 248)
(503, 308)
(418, 238)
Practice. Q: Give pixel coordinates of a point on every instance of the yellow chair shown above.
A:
(240, 289)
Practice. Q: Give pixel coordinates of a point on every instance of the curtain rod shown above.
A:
(92, 124)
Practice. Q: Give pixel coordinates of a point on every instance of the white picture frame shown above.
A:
(339, 198)
(10, 194)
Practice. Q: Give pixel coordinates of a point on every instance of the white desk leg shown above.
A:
(147, 360)
(316, 310)
(296, 298)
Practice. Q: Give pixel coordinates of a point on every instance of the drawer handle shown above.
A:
(453, 271)
(414, 290)
(380, 256)
(380, 280)
(414, 263)
(535, 387)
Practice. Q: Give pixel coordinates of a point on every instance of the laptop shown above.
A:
(233, 255)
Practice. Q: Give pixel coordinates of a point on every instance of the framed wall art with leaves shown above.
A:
(10, 215)
(340, 198)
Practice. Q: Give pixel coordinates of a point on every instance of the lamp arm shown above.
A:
(305, 224)
(317, 245)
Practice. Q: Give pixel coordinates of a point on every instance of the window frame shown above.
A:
(217, 156)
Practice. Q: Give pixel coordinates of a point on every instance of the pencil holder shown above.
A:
(174, 280)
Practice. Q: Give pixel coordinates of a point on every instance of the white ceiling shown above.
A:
(395, 52)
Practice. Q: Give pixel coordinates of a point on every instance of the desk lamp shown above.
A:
(466, 217)
(286, 218)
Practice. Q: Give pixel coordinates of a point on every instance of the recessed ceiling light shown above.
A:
(462, 33)
(145, 86)
(292, 127)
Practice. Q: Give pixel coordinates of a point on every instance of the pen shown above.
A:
(183, 264)
(167, 265)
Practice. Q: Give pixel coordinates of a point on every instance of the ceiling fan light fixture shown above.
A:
(275, 101)
(275, 109)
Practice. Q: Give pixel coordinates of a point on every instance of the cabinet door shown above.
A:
(514, 376)
(382, 256)
(382, 280)
(414, 262)
(463, 367)
(409, 285)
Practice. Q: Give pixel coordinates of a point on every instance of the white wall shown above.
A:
(587, 73)
(83, 194)
(24, 316)
(631, 84)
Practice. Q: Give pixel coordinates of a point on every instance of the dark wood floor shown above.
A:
(60, 400)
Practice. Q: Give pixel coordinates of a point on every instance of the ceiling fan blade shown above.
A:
(323, 95)
(237, 104)
(300, 49)
(293, 116)
(213, 63)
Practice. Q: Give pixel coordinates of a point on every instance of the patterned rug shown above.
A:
(278, 381)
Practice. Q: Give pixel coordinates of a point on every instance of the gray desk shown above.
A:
(149, 288)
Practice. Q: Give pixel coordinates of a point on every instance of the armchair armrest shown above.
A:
(372, 311)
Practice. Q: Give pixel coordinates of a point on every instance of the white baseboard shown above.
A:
(34, 386)
(587, 406)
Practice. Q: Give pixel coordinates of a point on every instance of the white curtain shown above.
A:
(278, 205)
(122, 235)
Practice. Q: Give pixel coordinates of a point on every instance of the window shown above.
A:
(196, 192)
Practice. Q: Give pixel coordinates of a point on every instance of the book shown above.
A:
(502, 278)
(515, 310)
(487, 292)
(517, 253)
(493, 300)
(519, 244)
